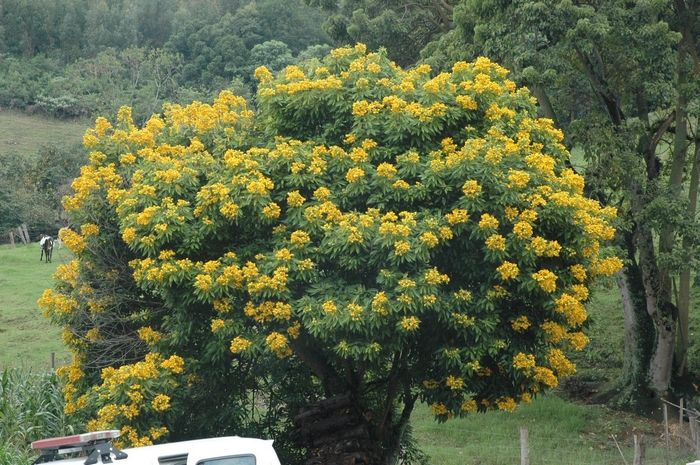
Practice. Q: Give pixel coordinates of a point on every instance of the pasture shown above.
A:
(27, 337)
(26, 134)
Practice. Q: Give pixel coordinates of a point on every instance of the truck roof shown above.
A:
(232, 450)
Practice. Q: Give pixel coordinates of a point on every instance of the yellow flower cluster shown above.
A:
(546, 280)
(278, 344)
(488, 222)
(410, 323)
(434, 277)
(268, 311)
(506, 403)
(558, 361)
(508, 270)
(496, 242)
(239, 344)
(521, 323)
(524, 362)
(471, 188)
(454, 383)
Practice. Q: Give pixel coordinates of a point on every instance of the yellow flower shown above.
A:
(508, 270)
(454, 383)
(329, 307)
(429, 239)
(401, 247)
(278, 344)
(410, 323)
(272, 210)
(506, 403)
(457, 216)
(488, 222)
(239, 344)
(354, 174)
(579, 272)
(355, 312)
(521, 323)
(469, 406)
(560, 363)
(386, 170)
(522, 230)
(161, 402)
(546, 279)
(524, 362)
(438, 408)
(295, 199)
(284, 255)
(496, 242)
(546, 376)
(471, 188)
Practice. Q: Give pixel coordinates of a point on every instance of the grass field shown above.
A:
(26, 134)
(27, 337)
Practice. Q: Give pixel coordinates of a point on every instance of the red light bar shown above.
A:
(75, 440)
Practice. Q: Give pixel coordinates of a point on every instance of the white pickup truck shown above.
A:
(95, 448)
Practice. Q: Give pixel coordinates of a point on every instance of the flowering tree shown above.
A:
(400, 236)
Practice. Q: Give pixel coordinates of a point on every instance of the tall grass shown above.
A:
(31, 408)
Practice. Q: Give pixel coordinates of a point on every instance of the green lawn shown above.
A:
(27, 337)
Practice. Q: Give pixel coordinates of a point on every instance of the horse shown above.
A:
(46, 244)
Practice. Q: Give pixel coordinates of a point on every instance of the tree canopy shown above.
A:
(392, 234)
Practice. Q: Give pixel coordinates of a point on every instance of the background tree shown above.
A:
(379, 232)
(618, 76)
(403, 27)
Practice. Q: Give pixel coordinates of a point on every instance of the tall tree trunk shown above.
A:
(662, 312)
(639, 334)
(683, 301)
(545, 104)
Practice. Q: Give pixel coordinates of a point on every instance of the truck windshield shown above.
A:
(237, 460)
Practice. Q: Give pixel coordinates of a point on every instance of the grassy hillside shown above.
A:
(26, 337)
(26, 134)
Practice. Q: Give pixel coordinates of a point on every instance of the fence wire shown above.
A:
(485, 448)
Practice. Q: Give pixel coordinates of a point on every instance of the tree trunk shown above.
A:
(683, 302)
(639, 340)
(662, 312)
(544, 102)
(335, 431)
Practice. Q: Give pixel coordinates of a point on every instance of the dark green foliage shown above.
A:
(31, 189)
(74, 58)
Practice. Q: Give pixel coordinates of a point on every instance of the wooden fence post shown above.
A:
(524, 446)
(21, 235)
(12, 239)
(639, 450)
